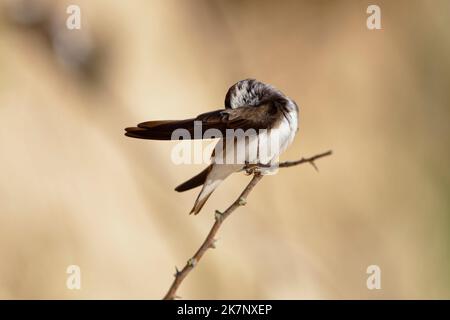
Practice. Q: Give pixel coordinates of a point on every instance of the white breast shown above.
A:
(265, 148)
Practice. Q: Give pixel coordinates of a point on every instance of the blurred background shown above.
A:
(75, 190)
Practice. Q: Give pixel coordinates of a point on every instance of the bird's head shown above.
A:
(250, 92)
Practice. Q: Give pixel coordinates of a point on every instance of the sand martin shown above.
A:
(250, 106)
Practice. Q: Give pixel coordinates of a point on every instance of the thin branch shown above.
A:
(310, 160)
(220, 217)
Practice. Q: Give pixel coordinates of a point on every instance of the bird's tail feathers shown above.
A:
(203, 196)
(195, 181)
(215, 176)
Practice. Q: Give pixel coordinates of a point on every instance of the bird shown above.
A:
(270, 116)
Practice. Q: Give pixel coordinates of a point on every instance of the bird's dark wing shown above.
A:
(249, 117)
(195, 181)
(159, 130)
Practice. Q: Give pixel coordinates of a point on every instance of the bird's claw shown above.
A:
(251, 168)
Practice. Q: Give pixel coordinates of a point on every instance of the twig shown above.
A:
(311, 160)
(220, 217)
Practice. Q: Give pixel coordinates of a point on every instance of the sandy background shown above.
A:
(74, 190)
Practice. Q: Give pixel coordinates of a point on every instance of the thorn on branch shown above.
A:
(192, 262)
(218, 215)
(177, 272)
(314, 165)
(213, 244)
(242, 201)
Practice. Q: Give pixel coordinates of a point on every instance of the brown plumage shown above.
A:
(264, 116)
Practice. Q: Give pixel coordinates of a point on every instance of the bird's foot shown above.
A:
(252, 168)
